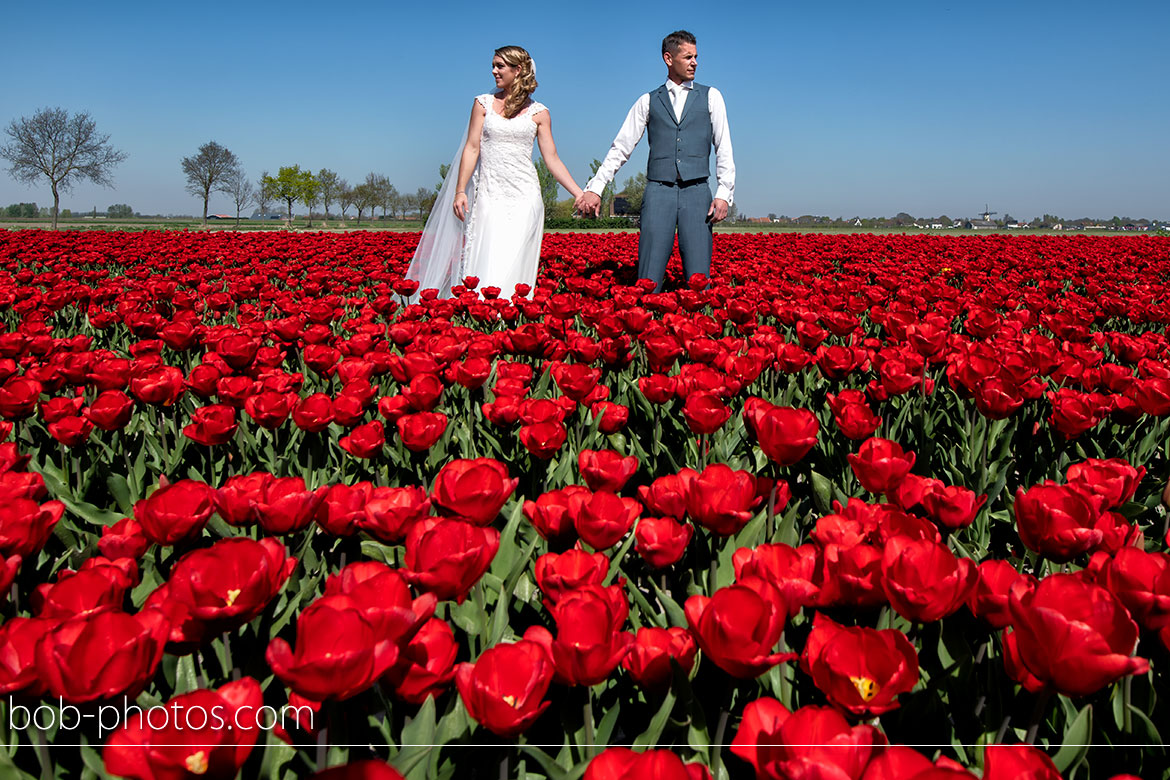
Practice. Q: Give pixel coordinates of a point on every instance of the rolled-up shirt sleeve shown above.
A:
(721, 138)
(627, 138)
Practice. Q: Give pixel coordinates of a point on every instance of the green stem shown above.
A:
(1037, 715)
(587, 715)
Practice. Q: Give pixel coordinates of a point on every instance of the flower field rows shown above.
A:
(861, 507)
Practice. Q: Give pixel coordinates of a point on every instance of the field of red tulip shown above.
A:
(859, 507)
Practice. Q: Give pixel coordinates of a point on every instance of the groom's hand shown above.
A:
(589, 203)
(718, 211)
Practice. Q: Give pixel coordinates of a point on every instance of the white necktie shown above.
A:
(679, 100)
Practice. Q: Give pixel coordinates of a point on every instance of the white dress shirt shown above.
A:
(634, 128)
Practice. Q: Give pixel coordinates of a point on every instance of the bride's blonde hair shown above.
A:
(525, 82)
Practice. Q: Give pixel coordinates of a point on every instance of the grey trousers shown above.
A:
(665, 208)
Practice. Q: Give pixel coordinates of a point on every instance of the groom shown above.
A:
(684, 120)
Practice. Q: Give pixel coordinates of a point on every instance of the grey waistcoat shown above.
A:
(679, 149)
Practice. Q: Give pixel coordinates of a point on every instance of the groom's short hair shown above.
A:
(676, 39)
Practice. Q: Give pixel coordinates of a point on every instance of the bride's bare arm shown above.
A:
(548, 150)
(469, 158)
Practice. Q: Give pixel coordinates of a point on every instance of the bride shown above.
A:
(488, 219)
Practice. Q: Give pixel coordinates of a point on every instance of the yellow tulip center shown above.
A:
(866, 688)
(232, 595)
(197, 763)
(510, 699)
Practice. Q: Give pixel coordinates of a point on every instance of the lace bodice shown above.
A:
(505, 153)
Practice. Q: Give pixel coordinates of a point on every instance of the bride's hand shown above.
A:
(460, 206)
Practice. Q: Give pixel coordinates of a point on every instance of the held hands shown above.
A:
(718, 211)
(588, 203)
(460, 206)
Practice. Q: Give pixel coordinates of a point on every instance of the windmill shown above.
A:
(987, 214)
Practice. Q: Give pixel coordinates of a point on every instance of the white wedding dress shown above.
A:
(500, 241)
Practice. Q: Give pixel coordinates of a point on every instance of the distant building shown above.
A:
(980, 224)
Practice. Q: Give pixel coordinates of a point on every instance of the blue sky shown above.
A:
(835, 108)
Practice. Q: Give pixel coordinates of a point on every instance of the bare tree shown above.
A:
(327, 189)
(380, 189)
(263, 196)
(390, 200)
(208, 169)
(64, 149)
(240, 189)
(345, 197)
(426, 199)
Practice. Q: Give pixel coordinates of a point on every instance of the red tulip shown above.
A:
(664, 497)
(426, 665)
(923, 580)
(19, 636)
(738, 627)
(224, 586)
(785, 434)
(1141, 580)
(111, 410)
(649, 659)
(504, 689)
(447, 557)
(860, 670)
(880, 464)
(988, 600)
(285, 505)
(1056, 521)
(602, 518)
(212, 425)
(475, 490)
(551, 514)
(102, 654)
(812, 742)
(209, 733)
(543, 439)
(704, 412)
(792, 570)
(606, 469)
(621, 763)
(1017, 762)
(1108, 483)
(559, 575)
(98, 585)
(339, 651)
(314, 413)
(1074, 636)
(662, 541)
(365, 441)
(589, 642)
(720, 499)
(389, 512)
(421, 430)
(175, 511)
(25, 525)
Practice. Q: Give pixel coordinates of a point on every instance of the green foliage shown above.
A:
(549, 189)
(21, 211)
(290, 185)
(632, 191)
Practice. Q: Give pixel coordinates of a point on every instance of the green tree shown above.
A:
(310, 193)
(207, 169)
(548, 186)
(329, 183)
(288, 185)
(119, 211)
(632, 191)
(606, 194)
(62, 148)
